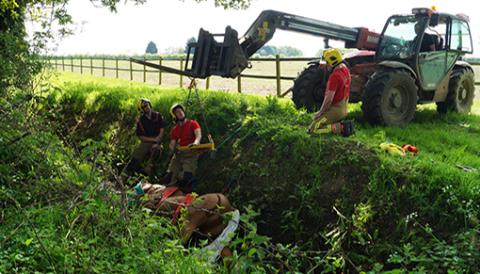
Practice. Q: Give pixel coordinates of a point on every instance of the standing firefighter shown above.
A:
(183, 164)
(150, 128)
(335, 104)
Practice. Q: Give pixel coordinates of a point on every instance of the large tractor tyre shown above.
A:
(390, 98)
(309, 88)
(461, 91)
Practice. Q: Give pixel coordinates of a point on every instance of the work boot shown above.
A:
(188, 182)
(148, 170)
(348, 128)
(133, 166)
(167, 179)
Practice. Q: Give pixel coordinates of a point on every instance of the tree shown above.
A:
(17, 59)
(289, 51)
(174, 50)
(151, 48)
(283, 50)
(190, 40)
(267, 51)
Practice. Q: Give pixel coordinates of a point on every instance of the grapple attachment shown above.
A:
(210, 57)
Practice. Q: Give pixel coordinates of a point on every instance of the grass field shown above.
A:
(249, 85)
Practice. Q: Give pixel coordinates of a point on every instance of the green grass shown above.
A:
(405, 213)
(449, 139)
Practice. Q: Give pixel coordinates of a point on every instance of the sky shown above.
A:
(170, 23)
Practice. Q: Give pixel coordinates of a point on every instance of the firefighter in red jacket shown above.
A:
(335, 103)
(183, 164)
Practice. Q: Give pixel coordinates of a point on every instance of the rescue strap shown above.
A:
(166, 194)
(211, 145)
(193, 85)
(186, 202)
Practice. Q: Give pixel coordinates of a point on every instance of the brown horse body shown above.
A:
(205, 214)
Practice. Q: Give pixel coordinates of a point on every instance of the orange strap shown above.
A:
(186, 202)
(166, 194)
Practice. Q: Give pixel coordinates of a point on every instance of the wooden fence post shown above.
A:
(71, 62)
(207, 84)
(181, 76)
(116, 67)
(63, 63)
(103, 66)
(144, 70)
(159, 71)
(277, 66)
(131, 71)
(91, 65)
(81, 65)
(239, 84)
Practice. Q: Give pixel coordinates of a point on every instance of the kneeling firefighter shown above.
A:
(335, 103)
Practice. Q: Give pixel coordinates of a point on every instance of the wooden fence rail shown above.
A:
(64, 63)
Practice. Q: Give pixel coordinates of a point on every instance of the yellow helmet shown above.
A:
(141, 101)
(332, 56)
(175, 106)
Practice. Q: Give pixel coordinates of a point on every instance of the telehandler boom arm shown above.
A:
(229, 58)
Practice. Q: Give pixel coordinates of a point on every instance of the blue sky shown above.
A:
(169, 23)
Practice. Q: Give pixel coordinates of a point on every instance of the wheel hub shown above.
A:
(462, 94)
(395, 99)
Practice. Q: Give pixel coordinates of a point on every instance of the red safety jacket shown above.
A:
(339, 82)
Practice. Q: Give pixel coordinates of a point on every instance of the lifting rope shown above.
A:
(201, 147)
(210, 146)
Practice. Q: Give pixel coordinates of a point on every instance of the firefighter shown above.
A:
(335, 103)
(183, 164)
(150, 128)
(428, 42)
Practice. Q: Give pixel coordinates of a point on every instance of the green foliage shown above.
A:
(151, 48)
(286, 51)
(151, 57)
(289, 51)
(328, 203)
(267, 51)
(230, 4)
(17, 62)
(59, 215)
